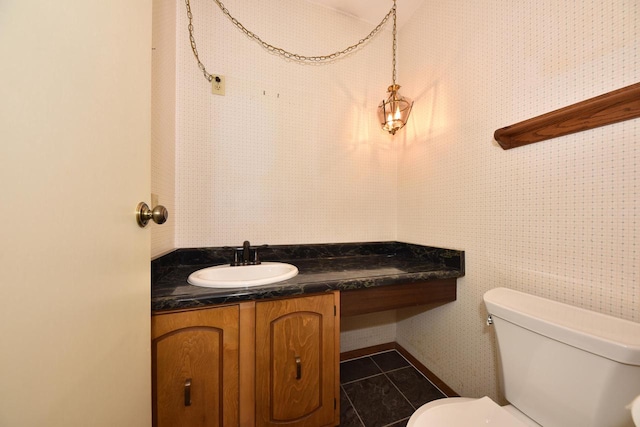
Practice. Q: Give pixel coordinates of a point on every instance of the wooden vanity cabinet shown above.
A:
(297, 362)
(266, 363)
(195, 368)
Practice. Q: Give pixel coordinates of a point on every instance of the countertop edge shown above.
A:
(172, 303)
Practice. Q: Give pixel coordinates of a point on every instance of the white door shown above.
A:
(74, 163)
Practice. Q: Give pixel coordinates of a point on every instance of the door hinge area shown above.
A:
(335, 310)
(335, 403)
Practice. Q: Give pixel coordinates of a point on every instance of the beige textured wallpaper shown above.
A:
(163, 116)
(292, 153)
(558, 218)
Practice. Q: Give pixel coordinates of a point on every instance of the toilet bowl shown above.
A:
(468, 412)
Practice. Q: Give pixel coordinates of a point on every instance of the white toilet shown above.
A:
(562, 366)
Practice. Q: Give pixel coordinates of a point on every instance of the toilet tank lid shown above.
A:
(601, 334)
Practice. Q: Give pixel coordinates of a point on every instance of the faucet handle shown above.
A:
(256, 256)
(236, 255)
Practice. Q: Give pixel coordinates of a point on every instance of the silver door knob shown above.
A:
(159, 214)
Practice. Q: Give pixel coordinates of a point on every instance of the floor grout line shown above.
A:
(383, 372)
(400, 391)
(408, 365)
(401, 368)
(394, 384)
(352, 406)
(396, 422)
(411, 365)
(430, 382)
(363, 378)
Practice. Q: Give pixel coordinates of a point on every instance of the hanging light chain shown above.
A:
(208, 76)
(393, 9)
(286, 54)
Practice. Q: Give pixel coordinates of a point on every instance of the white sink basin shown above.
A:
(242, 276)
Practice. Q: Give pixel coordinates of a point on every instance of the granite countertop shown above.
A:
(321, 268)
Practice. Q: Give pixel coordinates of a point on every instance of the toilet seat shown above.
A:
(463, 412)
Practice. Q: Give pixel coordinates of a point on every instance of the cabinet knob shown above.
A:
(187, 392)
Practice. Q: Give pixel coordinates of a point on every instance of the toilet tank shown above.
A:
(565, 366)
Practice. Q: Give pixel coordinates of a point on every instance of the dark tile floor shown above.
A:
(382, 390)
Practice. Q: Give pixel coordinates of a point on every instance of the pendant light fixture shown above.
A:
(394, 111)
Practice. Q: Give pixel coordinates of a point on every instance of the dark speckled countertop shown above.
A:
(322, 267)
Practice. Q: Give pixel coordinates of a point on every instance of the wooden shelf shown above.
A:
(619, 105)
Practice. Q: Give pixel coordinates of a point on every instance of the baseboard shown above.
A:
(353, 354)
(367, 351)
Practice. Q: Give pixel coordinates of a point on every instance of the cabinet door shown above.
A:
(297, 362)
(195, 368)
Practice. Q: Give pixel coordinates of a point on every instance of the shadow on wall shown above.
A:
(367, 330)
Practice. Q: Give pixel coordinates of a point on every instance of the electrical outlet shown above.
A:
(217, 84)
